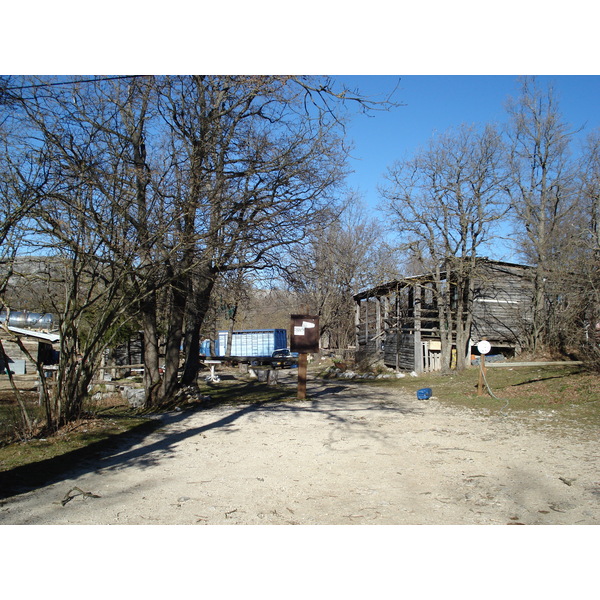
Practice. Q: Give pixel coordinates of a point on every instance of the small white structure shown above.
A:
(213, 377)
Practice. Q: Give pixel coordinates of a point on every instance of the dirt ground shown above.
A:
(351, 454)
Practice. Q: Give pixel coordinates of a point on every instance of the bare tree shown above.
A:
(590, 190)
(264, 304)
(579, 327)
(258, 163)
(541, 187)
(89, 218)
(17, 200)
(444, 203)
(332, 264)
(147, 189)
(234, 291)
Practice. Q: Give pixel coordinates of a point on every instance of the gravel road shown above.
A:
(351, 454)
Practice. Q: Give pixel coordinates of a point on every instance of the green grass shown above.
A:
(90, 432)
(10, 414)
(522, 389)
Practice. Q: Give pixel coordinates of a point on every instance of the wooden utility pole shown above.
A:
(304, 339)
(302, 371)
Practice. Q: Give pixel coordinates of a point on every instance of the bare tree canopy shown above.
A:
(444, 203)
(541, 187)
(147, 189)
(449, 201)
(334, 263)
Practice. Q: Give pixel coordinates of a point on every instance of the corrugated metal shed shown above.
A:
(252, 342)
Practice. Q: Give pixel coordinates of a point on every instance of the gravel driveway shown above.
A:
(351, 454)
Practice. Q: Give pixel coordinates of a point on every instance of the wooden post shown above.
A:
(481, 374)
(304, 339)
(302, 368)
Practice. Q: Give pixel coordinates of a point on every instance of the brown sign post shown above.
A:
(304, 339)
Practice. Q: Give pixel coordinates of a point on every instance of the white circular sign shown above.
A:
(484, 347)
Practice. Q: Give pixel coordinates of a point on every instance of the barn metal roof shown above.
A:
(46, 337)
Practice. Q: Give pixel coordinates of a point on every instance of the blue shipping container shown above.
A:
(252, 342)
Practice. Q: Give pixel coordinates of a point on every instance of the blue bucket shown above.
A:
(424, 393)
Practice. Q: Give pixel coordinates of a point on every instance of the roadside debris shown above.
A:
(567, 481)
(68, 497)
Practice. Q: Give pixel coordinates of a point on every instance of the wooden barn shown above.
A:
(40, 345)
(398, 322)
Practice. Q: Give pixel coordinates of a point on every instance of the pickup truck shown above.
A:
(285, 358)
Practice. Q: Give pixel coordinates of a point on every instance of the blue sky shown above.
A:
(436, 103)
(439, 102)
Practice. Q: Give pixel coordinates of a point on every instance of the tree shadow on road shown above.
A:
(144, 445)
(118, 451)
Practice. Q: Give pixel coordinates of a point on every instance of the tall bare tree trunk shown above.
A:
(152, 378)
(174, 339)
(199, 305)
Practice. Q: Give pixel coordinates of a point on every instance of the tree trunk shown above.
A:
(152, 379)
(443, 293)
(195, 319)
(174, 339)
(464, 317)
(74, 377)
(230, 336)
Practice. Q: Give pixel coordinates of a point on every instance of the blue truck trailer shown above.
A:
(252, 343)
(254, 346)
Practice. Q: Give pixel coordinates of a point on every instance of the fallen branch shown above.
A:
(68, 496)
